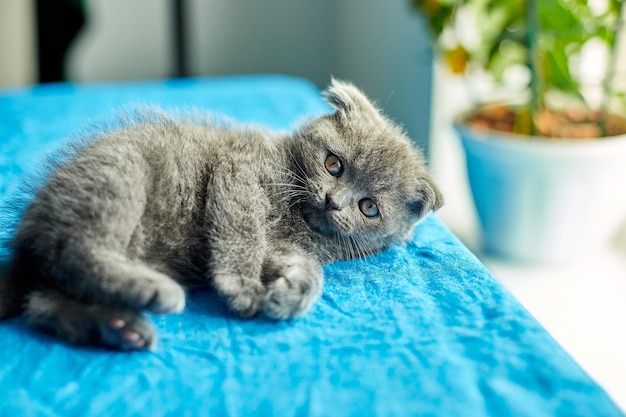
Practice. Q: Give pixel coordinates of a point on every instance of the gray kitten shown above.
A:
(145, 211)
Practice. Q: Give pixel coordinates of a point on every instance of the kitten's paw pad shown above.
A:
(128, 333)
(294, 291)
(245, 299)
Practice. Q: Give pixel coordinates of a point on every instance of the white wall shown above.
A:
(383, 47)
(122, 39)
(380, 45)
(269, 36)
(17, 43)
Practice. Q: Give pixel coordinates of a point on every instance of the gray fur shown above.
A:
(147, 210)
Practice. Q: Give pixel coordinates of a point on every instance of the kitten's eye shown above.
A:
(368, 207)
(333, 165)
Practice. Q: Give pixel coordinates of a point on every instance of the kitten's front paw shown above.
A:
(155, 292)
(244, 297)
(293, 288)
(167, 298)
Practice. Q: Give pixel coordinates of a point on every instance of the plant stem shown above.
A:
(610, 73)
(535, 99)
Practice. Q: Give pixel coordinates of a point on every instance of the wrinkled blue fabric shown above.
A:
(422, 329)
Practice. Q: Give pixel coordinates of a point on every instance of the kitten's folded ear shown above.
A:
(349, 100)
(430, 198)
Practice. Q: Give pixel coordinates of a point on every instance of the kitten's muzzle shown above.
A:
(330, 204)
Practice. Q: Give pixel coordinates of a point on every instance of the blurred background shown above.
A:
(381, 46)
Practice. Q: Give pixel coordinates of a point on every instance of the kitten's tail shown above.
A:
(14, 288)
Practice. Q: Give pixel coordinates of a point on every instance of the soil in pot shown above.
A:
(550, 124)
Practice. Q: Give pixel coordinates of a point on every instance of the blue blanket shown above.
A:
(421, 329)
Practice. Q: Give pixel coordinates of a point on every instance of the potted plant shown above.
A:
(547, 160)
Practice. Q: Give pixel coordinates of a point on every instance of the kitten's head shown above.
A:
(364, 180)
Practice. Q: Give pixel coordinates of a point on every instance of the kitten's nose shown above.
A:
(330, 203)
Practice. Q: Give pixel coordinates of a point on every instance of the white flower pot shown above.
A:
(541, 200)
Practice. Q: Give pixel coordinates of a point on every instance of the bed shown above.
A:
(422, 329)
